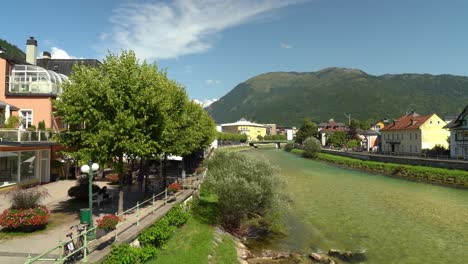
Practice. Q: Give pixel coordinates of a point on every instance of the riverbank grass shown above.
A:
(456, 178)
(194, 241)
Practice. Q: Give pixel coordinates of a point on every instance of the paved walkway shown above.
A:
(66, 213)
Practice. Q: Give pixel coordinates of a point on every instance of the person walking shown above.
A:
(129, 180)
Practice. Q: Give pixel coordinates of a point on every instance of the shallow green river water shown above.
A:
(392, 220)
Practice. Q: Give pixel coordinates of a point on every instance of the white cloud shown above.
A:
(57, 53)
(205, 102)
(212, 82)
(285, 46)
(164, 30)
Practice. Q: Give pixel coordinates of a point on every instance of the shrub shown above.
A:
(125, 254)
(288, 147)
(353, 143)
(27, 198)
(41, 125)
(24, 218)
(158, 234)
(108, 222)
(80, 191)
(174, 187)
(311, 147)
(244, 187)
(12, 122)
(177, 216)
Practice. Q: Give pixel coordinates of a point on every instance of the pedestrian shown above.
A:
(140, 179)
(129, 180)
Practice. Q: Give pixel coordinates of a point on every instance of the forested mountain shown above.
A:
(286, 98)
(12, 51)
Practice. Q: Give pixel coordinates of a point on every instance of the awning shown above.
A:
(12, 107)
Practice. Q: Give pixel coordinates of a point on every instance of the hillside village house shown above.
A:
(27, 91)
(459, 136)
(252, 130)
(413, 133)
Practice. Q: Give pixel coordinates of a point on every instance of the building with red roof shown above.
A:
(412, 133)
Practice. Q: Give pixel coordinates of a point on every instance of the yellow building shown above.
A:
(412, 133)
(252, 130)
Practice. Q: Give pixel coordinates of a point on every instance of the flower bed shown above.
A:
(174, 187)
(25, 219)
(108, 222)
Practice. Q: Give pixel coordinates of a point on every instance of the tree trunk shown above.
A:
(164, 171)
(121, 179)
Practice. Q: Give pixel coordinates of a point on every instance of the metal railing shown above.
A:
(140, 212)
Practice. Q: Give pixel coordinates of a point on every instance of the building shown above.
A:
(271, 129)
(252, 130)
(27, 92)
(459, 136)
(325, 129)
(412, 133)
(283, 130)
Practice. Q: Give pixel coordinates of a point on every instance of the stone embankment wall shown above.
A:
(447, 164)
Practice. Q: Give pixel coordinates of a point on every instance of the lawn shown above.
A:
(193, 242)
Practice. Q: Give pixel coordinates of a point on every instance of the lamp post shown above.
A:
(90, 169)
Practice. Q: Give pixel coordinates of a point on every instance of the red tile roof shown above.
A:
(407, 122)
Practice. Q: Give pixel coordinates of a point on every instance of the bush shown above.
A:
(288, 147)
(41, 125)
(158, 234)
(125, 254)
(244, 186)
(108, 222)
(311, 148)
(352, 144)
(24, 218)
(12, 122)
(177, 216)
(81, 190)
(174, 187)
(27, 198)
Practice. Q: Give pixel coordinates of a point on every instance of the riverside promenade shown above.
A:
(65, 213)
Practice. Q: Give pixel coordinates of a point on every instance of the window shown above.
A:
(415, 148)
(410, 148)
(416, 136)
(430, 122)
(8, 168)
(26, 117)
(438, 122)
(410, 136)
(397, 136)
(402, 136)
(456, 150)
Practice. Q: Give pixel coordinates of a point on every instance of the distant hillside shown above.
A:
(12, 51)
(286, 98)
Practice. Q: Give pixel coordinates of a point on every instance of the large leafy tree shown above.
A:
(107, 109)
(308, 129)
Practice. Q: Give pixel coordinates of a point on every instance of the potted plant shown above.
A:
(174, 187)
(107, 223)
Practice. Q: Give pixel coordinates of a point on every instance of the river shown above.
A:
(392, 220)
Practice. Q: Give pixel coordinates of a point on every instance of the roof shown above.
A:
(65, 66)
(12, 107)
(407, 122)
(458, 122)
(243, 122)
(331, 123)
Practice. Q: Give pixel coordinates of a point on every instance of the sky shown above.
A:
(210, 46)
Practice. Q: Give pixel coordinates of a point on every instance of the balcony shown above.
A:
(19, 135)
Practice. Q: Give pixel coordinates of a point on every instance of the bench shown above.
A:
(99, 198)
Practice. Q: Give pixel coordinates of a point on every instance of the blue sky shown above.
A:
(211, 46)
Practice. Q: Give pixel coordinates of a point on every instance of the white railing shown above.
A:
(19, 135)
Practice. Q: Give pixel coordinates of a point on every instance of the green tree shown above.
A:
(308, 129)
(311, 147)
(337, 139)
(109, 110)
(352, 144)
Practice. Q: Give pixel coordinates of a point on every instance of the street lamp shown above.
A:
(89, 169)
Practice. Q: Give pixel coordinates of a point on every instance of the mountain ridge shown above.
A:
(287, 98)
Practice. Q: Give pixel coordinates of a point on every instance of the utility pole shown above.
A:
(349, 118)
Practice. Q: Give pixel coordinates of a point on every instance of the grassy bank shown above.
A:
(456, 178)
(234, 149)
(193, 242)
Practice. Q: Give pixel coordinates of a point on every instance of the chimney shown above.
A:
(31, 50)
(413, 121)
(46, 55)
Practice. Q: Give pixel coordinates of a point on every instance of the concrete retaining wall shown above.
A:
(447, 164)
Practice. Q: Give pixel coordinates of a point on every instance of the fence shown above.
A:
(141, 212)
(139, 209)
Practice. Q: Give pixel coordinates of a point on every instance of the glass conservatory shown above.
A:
(30, 79)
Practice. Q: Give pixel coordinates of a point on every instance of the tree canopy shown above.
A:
(308, 129)
(128, 108)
